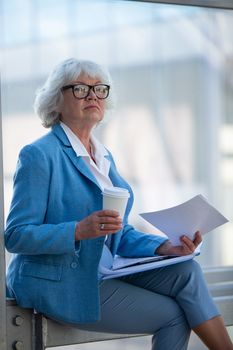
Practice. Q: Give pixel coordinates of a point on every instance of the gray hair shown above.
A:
(49, 96)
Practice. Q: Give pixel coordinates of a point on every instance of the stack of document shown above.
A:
(117, 267)
(185, 219)
(194, 215)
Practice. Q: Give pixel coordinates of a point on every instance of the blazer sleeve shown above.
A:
(134, 243)
(26, 232)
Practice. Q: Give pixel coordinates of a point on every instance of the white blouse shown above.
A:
(99, 168)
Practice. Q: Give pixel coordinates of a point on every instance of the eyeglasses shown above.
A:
(83, 90)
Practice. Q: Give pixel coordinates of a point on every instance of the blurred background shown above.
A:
(171, 132)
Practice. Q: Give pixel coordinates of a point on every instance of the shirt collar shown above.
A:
(99, 151)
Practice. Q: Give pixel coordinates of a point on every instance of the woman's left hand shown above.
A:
(187, 246)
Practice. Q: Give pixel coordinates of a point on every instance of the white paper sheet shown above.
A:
(119, 262)
(117, 267)
(186, 218)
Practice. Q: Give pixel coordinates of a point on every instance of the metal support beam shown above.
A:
(20, 327)
(217, 4)
(29, 331)
(51, 334)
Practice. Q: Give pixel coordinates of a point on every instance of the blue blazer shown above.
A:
(50, 272)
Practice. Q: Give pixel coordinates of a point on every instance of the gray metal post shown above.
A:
(2, 248)
(221, 4)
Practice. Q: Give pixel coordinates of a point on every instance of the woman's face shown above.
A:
(86, 112)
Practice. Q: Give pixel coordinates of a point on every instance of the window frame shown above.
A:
(219, 4)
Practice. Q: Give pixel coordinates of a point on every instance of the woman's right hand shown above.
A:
(186, 247)
(99, 223)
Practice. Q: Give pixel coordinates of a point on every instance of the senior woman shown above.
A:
(57, 229)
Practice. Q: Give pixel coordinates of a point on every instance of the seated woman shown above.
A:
(57, 229)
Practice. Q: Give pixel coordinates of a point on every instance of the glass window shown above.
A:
(15, 22)
(49, 14)
(171, 133)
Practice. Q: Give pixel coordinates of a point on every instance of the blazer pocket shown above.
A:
(40, 270)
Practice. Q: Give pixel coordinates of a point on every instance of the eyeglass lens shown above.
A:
(82, 90)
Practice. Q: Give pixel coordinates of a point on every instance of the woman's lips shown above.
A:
(91, 107)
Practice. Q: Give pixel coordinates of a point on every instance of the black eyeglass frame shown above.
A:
(91, 87)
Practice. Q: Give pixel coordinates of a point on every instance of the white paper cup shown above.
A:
(115, 198)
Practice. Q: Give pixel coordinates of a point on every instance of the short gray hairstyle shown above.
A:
(49, 96)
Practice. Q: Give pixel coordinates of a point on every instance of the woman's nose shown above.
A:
(91, 95)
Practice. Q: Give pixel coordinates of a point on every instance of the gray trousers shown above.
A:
(165, 302)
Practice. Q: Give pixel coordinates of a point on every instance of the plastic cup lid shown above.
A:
(116, 192)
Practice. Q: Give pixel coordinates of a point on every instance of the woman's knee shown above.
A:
(186, 276)
(190, 267)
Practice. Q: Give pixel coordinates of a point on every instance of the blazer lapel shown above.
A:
(77, 161)
(114, 175)
(80, 164)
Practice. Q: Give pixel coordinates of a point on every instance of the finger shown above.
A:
(188, 243)
(198, 238)
(112, 213)
(103, 226)
(109, 220)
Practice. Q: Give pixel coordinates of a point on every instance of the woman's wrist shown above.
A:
(164, 248)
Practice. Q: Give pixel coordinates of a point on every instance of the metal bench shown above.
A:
(27, 330)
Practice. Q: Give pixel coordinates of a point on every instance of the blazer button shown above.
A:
(74, 265)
